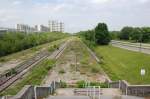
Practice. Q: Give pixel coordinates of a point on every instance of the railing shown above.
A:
(94, 92)
(135, 45)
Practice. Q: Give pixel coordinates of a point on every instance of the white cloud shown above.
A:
(99, 1)
(76, 14)
(17, 2)
(143, 1)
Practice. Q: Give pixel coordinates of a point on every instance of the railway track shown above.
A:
(10, 77)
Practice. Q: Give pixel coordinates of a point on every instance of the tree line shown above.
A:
(136, 34)
(99, 35)
(14, 42)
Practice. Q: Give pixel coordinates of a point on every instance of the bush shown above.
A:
(95, 69)
(14, 42)
(80, 84)
(63, 84)
(62, 71)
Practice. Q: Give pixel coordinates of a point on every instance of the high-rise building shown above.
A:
(25, 28)
(41, 28)
(56, 26)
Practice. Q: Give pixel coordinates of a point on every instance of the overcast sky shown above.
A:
(76, 14)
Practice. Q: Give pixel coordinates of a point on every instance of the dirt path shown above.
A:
(75, 64)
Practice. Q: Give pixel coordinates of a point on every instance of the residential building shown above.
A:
(56, 26)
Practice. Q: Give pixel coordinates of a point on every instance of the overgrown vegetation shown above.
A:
(63, 84)
(14, 42)
(35, 77)
(100, 35)
(82, 84)
(62, 71)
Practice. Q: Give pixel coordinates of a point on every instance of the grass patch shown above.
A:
(63, 84)
(124, 64)
(95, 69)
(35, 77)
(62, 71)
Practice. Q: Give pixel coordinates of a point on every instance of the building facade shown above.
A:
(56, 26)
(41, 28)
(25, 28)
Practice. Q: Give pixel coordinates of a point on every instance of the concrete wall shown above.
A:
(136, 90)
(42, 91)
(26, 93)
(35, 92)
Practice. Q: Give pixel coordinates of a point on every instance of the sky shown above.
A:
(77, 15)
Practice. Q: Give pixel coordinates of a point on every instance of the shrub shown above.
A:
(62, 71)
(63, 84)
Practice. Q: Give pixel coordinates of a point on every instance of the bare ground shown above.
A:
(74, 65)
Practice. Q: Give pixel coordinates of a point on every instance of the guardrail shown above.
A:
(136, 45)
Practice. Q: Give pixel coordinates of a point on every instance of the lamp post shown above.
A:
(140, 39)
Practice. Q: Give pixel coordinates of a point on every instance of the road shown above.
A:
(143, 48)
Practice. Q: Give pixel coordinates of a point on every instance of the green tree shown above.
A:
(102, 34)
(126, 33)
(146, 34)
(136, 34)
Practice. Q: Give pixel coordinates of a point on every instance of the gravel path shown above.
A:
(65, 69)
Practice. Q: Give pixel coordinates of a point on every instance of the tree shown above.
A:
(114, 34)
(126, 33)
(146, 34)
(136, 34)
(101, 34)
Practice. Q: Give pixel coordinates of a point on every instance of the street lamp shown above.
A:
(140, 39)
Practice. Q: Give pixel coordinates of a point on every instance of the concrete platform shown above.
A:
(101, 97)
(68, 97)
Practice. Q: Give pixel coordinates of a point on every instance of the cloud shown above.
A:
(99, 1)
(76, 14)
(143, 1)
(16, 2)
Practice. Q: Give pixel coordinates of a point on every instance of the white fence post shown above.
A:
(35, 95)
(94, 92)
(99, 91)
(126, 90)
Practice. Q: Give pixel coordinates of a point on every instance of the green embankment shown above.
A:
(123, 64)
(25, 54)
(15, 42)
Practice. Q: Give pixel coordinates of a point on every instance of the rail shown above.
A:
(6, 80)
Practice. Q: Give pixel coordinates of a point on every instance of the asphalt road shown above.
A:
(143, 48)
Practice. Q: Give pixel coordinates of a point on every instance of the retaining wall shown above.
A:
(35, 92)
(127, 89)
